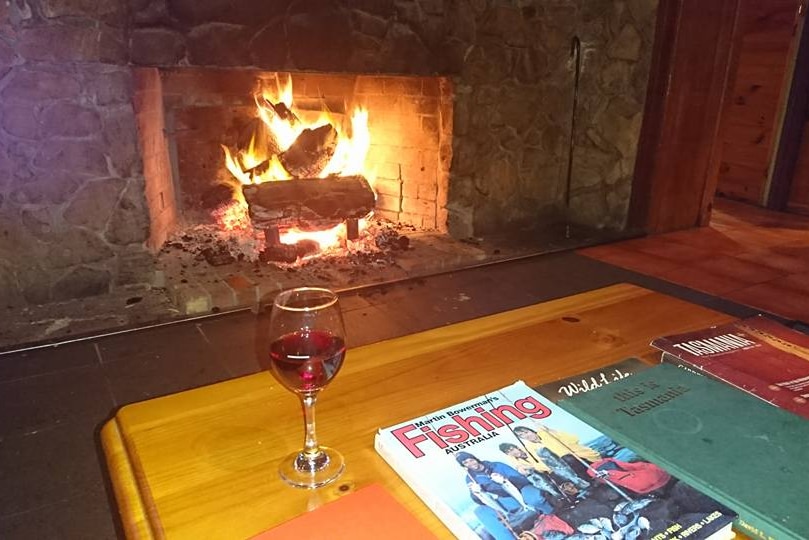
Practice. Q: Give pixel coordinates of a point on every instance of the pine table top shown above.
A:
(203, 463)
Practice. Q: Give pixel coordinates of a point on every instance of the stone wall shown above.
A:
(73, 218)
(72, 213)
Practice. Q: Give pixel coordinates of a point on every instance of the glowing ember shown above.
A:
(233, 216)
(330, 238)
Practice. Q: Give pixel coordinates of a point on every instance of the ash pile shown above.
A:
(376, 245)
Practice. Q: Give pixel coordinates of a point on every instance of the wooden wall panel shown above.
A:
(767, 29)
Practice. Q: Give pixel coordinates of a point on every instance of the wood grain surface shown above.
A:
(202, 463)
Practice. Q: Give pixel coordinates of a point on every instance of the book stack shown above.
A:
(716, 432)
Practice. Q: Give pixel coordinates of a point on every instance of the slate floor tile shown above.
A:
(76, 518)
(48, 467)
(151, 340)
(47, 360)
(44, 401)
(153, 374)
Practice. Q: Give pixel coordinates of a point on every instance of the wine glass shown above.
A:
(307, 347)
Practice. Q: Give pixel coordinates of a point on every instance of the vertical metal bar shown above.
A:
(575, 53)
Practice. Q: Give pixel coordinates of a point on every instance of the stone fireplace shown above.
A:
(103, 102)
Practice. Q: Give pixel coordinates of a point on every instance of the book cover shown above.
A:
(512, 464)
(370, 513)
(590, 380)
(757, 355)
(728, 444)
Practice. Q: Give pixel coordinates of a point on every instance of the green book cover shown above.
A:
(742, 451)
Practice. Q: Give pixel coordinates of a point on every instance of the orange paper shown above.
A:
(368, 513)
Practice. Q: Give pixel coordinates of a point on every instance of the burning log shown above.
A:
(281, 110)
(257, 139)
(311, 151)
(309, 202)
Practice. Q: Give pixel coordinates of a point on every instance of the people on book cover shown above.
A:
(551, 444)
(539, 495)
(516, 467)
(537, 472)
(505, 497)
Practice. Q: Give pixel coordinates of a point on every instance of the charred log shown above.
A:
(312, 201)
(311, 151)
(289, 253)
(281, 110)
(285, 253)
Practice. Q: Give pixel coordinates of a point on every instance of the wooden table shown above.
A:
(202, 463)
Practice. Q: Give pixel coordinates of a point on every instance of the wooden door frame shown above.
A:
(694, 58)
(796, 113)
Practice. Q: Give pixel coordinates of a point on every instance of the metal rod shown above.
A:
(575, 53)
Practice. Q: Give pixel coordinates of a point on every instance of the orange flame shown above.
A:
(253, 166)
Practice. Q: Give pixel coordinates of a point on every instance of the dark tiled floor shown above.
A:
(53, 400)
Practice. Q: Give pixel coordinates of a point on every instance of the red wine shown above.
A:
(305, 361)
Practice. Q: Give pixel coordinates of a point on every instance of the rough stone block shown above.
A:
(219, 44)
(41, 84)
(75, 43)
(130, 219)
(76, 246)
(135, 266)
(193, 12)
(110, 88)
(69, 120)
(77, 156)
(17, 118)
(156, 47)
(93, 205)
(81, 8)
(48, 187)
(81, 282)
(121, 137)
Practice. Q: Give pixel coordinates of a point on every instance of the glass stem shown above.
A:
(310, 448)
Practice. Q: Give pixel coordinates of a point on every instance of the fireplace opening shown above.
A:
(274, 169)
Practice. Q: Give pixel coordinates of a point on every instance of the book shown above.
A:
(370, 513)
(729, 444)
(757, 355)
(590, 380)
(511, 463)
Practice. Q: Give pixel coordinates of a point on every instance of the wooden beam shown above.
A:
(696, 44)
(792, 129)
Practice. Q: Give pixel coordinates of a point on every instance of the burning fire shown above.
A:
(260, 161)
(255, 165)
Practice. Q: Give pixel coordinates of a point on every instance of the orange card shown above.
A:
(368, 513)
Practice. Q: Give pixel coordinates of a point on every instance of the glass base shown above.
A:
(299, 471)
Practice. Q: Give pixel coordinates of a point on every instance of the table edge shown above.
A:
(131, 507)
